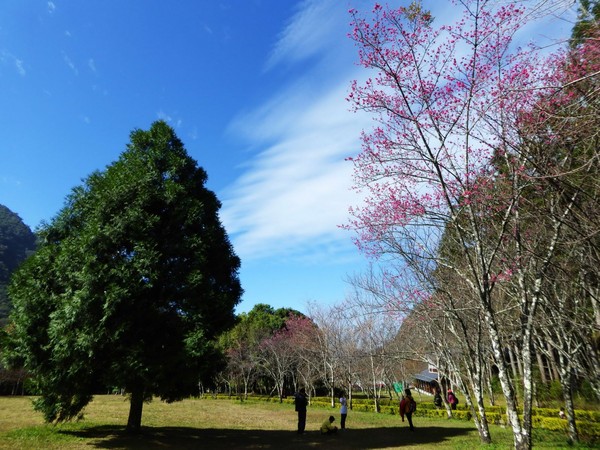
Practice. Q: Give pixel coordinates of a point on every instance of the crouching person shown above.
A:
(328, 427)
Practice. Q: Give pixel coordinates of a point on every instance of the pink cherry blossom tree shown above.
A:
(304, 334)
(560, 134)
(277, 358)
(449, 102)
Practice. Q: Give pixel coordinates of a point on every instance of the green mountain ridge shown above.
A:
(17, 242)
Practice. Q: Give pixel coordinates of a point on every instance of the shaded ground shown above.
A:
(107, 437)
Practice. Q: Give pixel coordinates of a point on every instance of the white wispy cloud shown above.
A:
(309, 32)
(164, 116)
(9, 180)
(51, 7)
(8, 58)
(20, 68)
(177, 122)
(295, 192)
(70, 64)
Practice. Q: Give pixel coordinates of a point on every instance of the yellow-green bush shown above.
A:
(591, 416)
(496, 418)
(549, 423)
(393, 410)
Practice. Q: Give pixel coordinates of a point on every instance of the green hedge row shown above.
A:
(580, 414)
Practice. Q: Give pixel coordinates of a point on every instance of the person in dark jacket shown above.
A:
(437, 399)
(300, 402)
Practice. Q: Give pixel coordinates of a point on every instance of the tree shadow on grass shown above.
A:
(113, 437)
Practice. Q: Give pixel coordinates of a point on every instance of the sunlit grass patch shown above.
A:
(231, 424)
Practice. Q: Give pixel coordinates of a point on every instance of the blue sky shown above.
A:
(254, 88)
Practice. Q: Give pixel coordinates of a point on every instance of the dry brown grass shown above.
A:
(222, 424)
(16, 412)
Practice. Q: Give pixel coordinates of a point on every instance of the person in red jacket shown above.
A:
(452, 399)
(407, 407)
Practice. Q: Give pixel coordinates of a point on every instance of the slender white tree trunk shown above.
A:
(566, 382)
(505, 379)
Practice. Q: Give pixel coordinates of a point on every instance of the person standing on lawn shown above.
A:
(437, 399)
(343, 411)
(407, 407)
(300, 403)
(452, 399)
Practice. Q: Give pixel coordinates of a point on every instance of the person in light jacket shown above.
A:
(343, 411)
(328, 427)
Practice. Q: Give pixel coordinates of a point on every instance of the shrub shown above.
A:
(555, 390)
(388, 410)
(586, 392)
(495, 418)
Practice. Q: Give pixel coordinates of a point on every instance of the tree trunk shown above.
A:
(541, 366)
(594, 377)
(332, 386)
(518, 359)
(567, 388)
(595, 304)
(527, 384)
(489, 384)
(332, 393)
(479, 416)
(477, 384)
(554, 363)
(444, 377)
(513, 364)
(280, 389)
(134, 422)
(350, 395)
(505, 381)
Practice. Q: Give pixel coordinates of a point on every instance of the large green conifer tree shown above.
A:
(133, 280)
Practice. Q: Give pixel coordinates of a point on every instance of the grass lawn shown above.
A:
(223, 424)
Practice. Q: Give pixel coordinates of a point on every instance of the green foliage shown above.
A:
(547, 392)
(251, 328)
(586, 392)
(555, 389)
(587, 415)
(587, 21)
(265, 320)
(134, 279)
(388, 409)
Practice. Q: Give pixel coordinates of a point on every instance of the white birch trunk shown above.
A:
(479, 416)
(505, 379)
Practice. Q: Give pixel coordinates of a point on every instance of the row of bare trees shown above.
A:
(334, 349)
